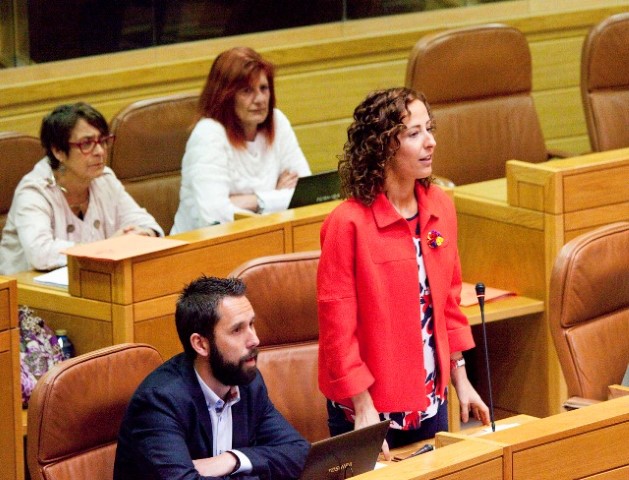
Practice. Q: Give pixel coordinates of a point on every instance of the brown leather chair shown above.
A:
(18, 154)
(478, 82)
(151, 138)
(76, 409)
(283, 292)
(605, 83)
(589, 311)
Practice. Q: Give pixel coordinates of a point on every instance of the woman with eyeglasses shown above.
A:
(242, 155)
(70, 196)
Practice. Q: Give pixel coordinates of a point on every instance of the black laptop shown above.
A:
(345, 455)
(317, 188)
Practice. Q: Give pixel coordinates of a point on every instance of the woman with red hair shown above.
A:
(242, 155)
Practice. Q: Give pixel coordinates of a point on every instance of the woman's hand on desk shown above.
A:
(135, 230)
(365, 414)
(245, 201)
(469, 398)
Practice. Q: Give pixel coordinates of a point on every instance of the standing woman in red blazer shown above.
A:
(390, 329)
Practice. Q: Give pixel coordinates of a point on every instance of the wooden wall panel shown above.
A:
(322, 142)
(556, 60)
(323, 71)
(333, 94)
(561, 113)
(579, 144)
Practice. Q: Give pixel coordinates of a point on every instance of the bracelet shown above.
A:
(454, 364)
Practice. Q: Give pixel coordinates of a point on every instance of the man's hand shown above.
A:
(218, 466)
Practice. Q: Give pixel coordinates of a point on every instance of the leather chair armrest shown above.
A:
(578, 402)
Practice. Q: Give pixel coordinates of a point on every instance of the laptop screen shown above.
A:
(318, 188)
(345, 455)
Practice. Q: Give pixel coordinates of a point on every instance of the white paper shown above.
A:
(55, 278)
(486, 430)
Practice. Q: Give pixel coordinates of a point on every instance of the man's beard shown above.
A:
(232, 374)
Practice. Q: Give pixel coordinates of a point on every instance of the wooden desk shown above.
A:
(133, 300)
(510, 232)
(588, 443)
(11, 441)
(469, 460)
(443, 439)
(616, 391)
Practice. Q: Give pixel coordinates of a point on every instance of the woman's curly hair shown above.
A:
(372, 140)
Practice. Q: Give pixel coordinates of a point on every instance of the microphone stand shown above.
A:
(480, 295)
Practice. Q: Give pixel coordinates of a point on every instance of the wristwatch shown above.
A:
(237, 466)
(457, 363)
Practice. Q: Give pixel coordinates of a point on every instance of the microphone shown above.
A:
(480, 295)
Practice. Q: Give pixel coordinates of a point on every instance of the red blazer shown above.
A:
(368, 301)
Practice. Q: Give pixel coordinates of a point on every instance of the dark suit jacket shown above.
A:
(167, 425)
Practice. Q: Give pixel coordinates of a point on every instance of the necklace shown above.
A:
(77, 208)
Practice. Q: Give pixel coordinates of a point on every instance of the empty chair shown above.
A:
(151, 138)
(282, 290)
(478, 83)
(76, 409)
(605, 83)
(18, 155)
(589, 311)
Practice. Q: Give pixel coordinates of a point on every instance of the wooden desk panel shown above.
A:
(5, 318)
(510, 232)
(89, 322)
(569, 185)
(605, 449)
(576, 444)
(169, 273)
(469, 460)
(11, 440)
(160, 332)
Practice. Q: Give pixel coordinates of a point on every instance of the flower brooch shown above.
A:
(434, 239)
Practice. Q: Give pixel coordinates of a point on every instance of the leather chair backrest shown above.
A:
(478, 81)
(146, 156)
(76, 410)
(605, 83)
(18, 154)
(283, 292)
(589, 310)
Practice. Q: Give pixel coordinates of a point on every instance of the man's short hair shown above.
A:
(197, 307)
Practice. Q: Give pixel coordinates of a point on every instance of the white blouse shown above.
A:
(40, 224)
(212, 170)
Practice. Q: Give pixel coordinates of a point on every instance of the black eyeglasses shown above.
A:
(89, 144)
